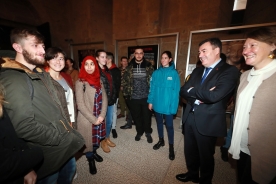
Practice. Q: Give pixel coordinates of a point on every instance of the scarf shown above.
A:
(244, 104)
(94, 78)
(98, 131)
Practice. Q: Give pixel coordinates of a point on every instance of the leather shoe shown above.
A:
(97, 157)
(149, 138)
(137, 137)
(126, 126)
(185, 177)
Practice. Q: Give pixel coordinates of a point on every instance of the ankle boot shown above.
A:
(109, 142)
(97, 157)
(171, 154)
(92, 166)
(104, 146)
(160, 143)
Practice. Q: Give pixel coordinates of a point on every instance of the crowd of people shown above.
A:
(50, 111)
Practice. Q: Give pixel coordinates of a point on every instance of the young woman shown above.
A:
(163, 99)
(92, 106)
(55, 58)
(110, 89)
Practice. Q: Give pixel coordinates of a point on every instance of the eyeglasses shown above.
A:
(138, 53)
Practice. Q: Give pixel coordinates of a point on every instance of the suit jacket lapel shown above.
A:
(214, 71)
(199, 76)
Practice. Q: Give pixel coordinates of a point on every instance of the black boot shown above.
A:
(171, 154)
(97, 157)
(160, 143)
(92, 166)
(114, 133)
(149, 138)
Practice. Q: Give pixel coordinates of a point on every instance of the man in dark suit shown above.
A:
(207, 91)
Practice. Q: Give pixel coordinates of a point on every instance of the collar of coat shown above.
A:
(148, 64)
(12, 64)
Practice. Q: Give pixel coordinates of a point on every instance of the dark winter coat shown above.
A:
(38, 116)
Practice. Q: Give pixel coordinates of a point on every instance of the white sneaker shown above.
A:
(76, 175)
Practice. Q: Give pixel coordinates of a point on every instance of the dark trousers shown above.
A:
(244, 169)
(169, 125)
(141, 115)
(199, 152)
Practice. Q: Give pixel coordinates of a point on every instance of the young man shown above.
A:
(207, 92)
(116, 76)
(122, 102)
(135, 83)
(35, 109)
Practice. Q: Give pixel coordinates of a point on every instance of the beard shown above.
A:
(29, 58)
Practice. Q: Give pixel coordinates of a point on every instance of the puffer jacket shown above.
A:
(164, 90)
(127, 78)
(37, 114)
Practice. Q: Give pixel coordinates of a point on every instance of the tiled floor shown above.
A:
(133, 162)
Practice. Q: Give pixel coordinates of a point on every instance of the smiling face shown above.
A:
(57, 64)
(89, 66)
(165, 60)
(208, 55)
(256, 53)
(33, 51)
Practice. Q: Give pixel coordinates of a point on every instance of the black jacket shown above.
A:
(111, 94)
(210, 117)
(16, 158)
(116, 76)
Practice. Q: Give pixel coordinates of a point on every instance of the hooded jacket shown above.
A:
(37, 114)
(127, 78)
(164, 90)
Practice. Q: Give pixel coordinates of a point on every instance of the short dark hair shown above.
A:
(53, 52)
(71, 60)
(18, 34)
(124, 57)
(168, 53)
(215, 42)
(138, 47)
(223, 56)
(97, 54)
(110, 54)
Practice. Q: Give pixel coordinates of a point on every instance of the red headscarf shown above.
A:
(94, 78)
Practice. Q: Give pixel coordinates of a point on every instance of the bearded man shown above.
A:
(135, 84)
(35, 109)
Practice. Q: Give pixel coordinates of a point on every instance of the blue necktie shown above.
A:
(205, 74)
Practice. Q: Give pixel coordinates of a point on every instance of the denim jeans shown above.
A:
(63, 176)
(169, 126)
(114, 121)
(109, 119)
